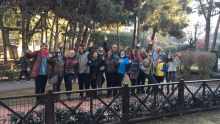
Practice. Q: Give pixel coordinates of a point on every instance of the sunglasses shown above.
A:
(58, 52)
(100, 50)
(149, 55)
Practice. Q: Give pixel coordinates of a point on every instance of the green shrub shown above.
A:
(219, 51)
(172, 49)
(205, 62)
(187, 60)
(214, 75)
(12, 74)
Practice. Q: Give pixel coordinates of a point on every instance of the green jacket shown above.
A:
(149, 63)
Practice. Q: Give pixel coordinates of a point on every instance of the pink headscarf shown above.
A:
(44, 53)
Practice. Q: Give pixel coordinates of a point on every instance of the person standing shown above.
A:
(136, 64)
(85, 60)
(111, 65)
(171, 64)
(57, 68)
(160, 69)
(25, 64)
(123, 62)
(95, 69)
(141, 76)
(71, 69)
(40, 70)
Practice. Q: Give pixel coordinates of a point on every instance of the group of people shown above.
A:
(90, 66)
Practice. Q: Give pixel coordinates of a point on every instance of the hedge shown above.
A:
(11, 74)
(172, 49)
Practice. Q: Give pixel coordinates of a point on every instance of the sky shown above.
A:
(195, 18)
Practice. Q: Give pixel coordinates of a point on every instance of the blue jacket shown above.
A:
(122, 66)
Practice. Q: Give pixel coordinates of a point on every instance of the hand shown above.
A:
(105, 38)
(130, 61)
(102, 68)
(126, 48)
(61, 44)
(150, 42)
(146, 69)
(139, 44)
(91, 44)
(103, 58)
(87, 60)
(116, 56)
(121, 60)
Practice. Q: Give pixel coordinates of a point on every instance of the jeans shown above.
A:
(111, 82)
(84, 79)
(99, 80)
(170, 76)
(68, 83)
(40, 84)
(151, 80)
(141, 81)
(23, 72)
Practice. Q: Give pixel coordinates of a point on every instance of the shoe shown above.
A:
(80, 97)
(55, 101)
(107, 96)
(17, 81)
(88, 99)
(29, 80)
(68, 99)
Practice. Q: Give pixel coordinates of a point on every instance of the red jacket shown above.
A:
(37, 57)
(72, 67)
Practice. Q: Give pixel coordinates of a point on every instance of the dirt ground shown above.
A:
(207, 117)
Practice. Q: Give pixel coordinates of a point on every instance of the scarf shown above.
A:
(44, 53)
(134, 68)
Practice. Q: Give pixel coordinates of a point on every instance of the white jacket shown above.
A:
(172, 65)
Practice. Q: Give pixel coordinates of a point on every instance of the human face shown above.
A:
(122, 54)
(71, 54)
(58, 53)
(109, 53)
(158, 49)
(82, 48)
(95, 55)
(43, 47)
(169, 55)
(133, 52)
(149, 55)
(100, 50)
(142, 51)
(114, 48)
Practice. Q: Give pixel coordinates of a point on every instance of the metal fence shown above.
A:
(127, 106)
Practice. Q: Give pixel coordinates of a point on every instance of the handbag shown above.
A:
(53, 79)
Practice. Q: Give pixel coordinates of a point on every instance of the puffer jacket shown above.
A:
(159, 68)
(57, 65)
(172, 65)
(122, 65)
(110, 65)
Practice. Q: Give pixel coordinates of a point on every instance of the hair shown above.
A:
(72, 51)
(100, 47)
(130, 56)
(57, 49)
(94, 52)
(167, 59)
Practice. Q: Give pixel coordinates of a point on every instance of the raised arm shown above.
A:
(29, 55)
(64, 57)
(105, 44)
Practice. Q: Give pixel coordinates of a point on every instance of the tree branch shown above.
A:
(203, 10)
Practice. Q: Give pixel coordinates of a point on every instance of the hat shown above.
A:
(43, 44)
(57, 49)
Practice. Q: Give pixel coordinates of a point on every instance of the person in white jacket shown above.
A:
(171, 63)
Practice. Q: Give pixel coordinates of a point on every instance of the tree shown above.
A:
(207, 9)
(216, 33)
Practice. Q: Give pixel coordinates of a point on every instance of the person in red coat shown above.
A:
(40, 70)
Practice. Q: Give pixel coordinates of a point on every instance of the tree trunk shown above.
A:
(24, 13)
(216, 33)
(56, 35)
(85, 35)
(51, 34)
(118, 37)
(42, 30)
(8, 44)
(64, 46)
(46, 28)
(153, 34)
(79, 37)
(207, 28)
(71, 30)
(134, 33)
(74, 36)
(4, 40)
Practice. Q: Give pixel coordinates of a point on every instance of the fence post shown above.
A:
(125, 104)
(49, 108)
(181, 96)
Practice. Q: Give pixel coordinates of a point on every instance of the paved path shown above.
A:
(13, 86)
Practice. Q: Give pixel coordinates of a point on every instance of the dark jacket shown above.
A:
(37, 63)
(24, 63)
(106, 49)
(95, 67)
(73, 66)
(110, 64)
(57, 65)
